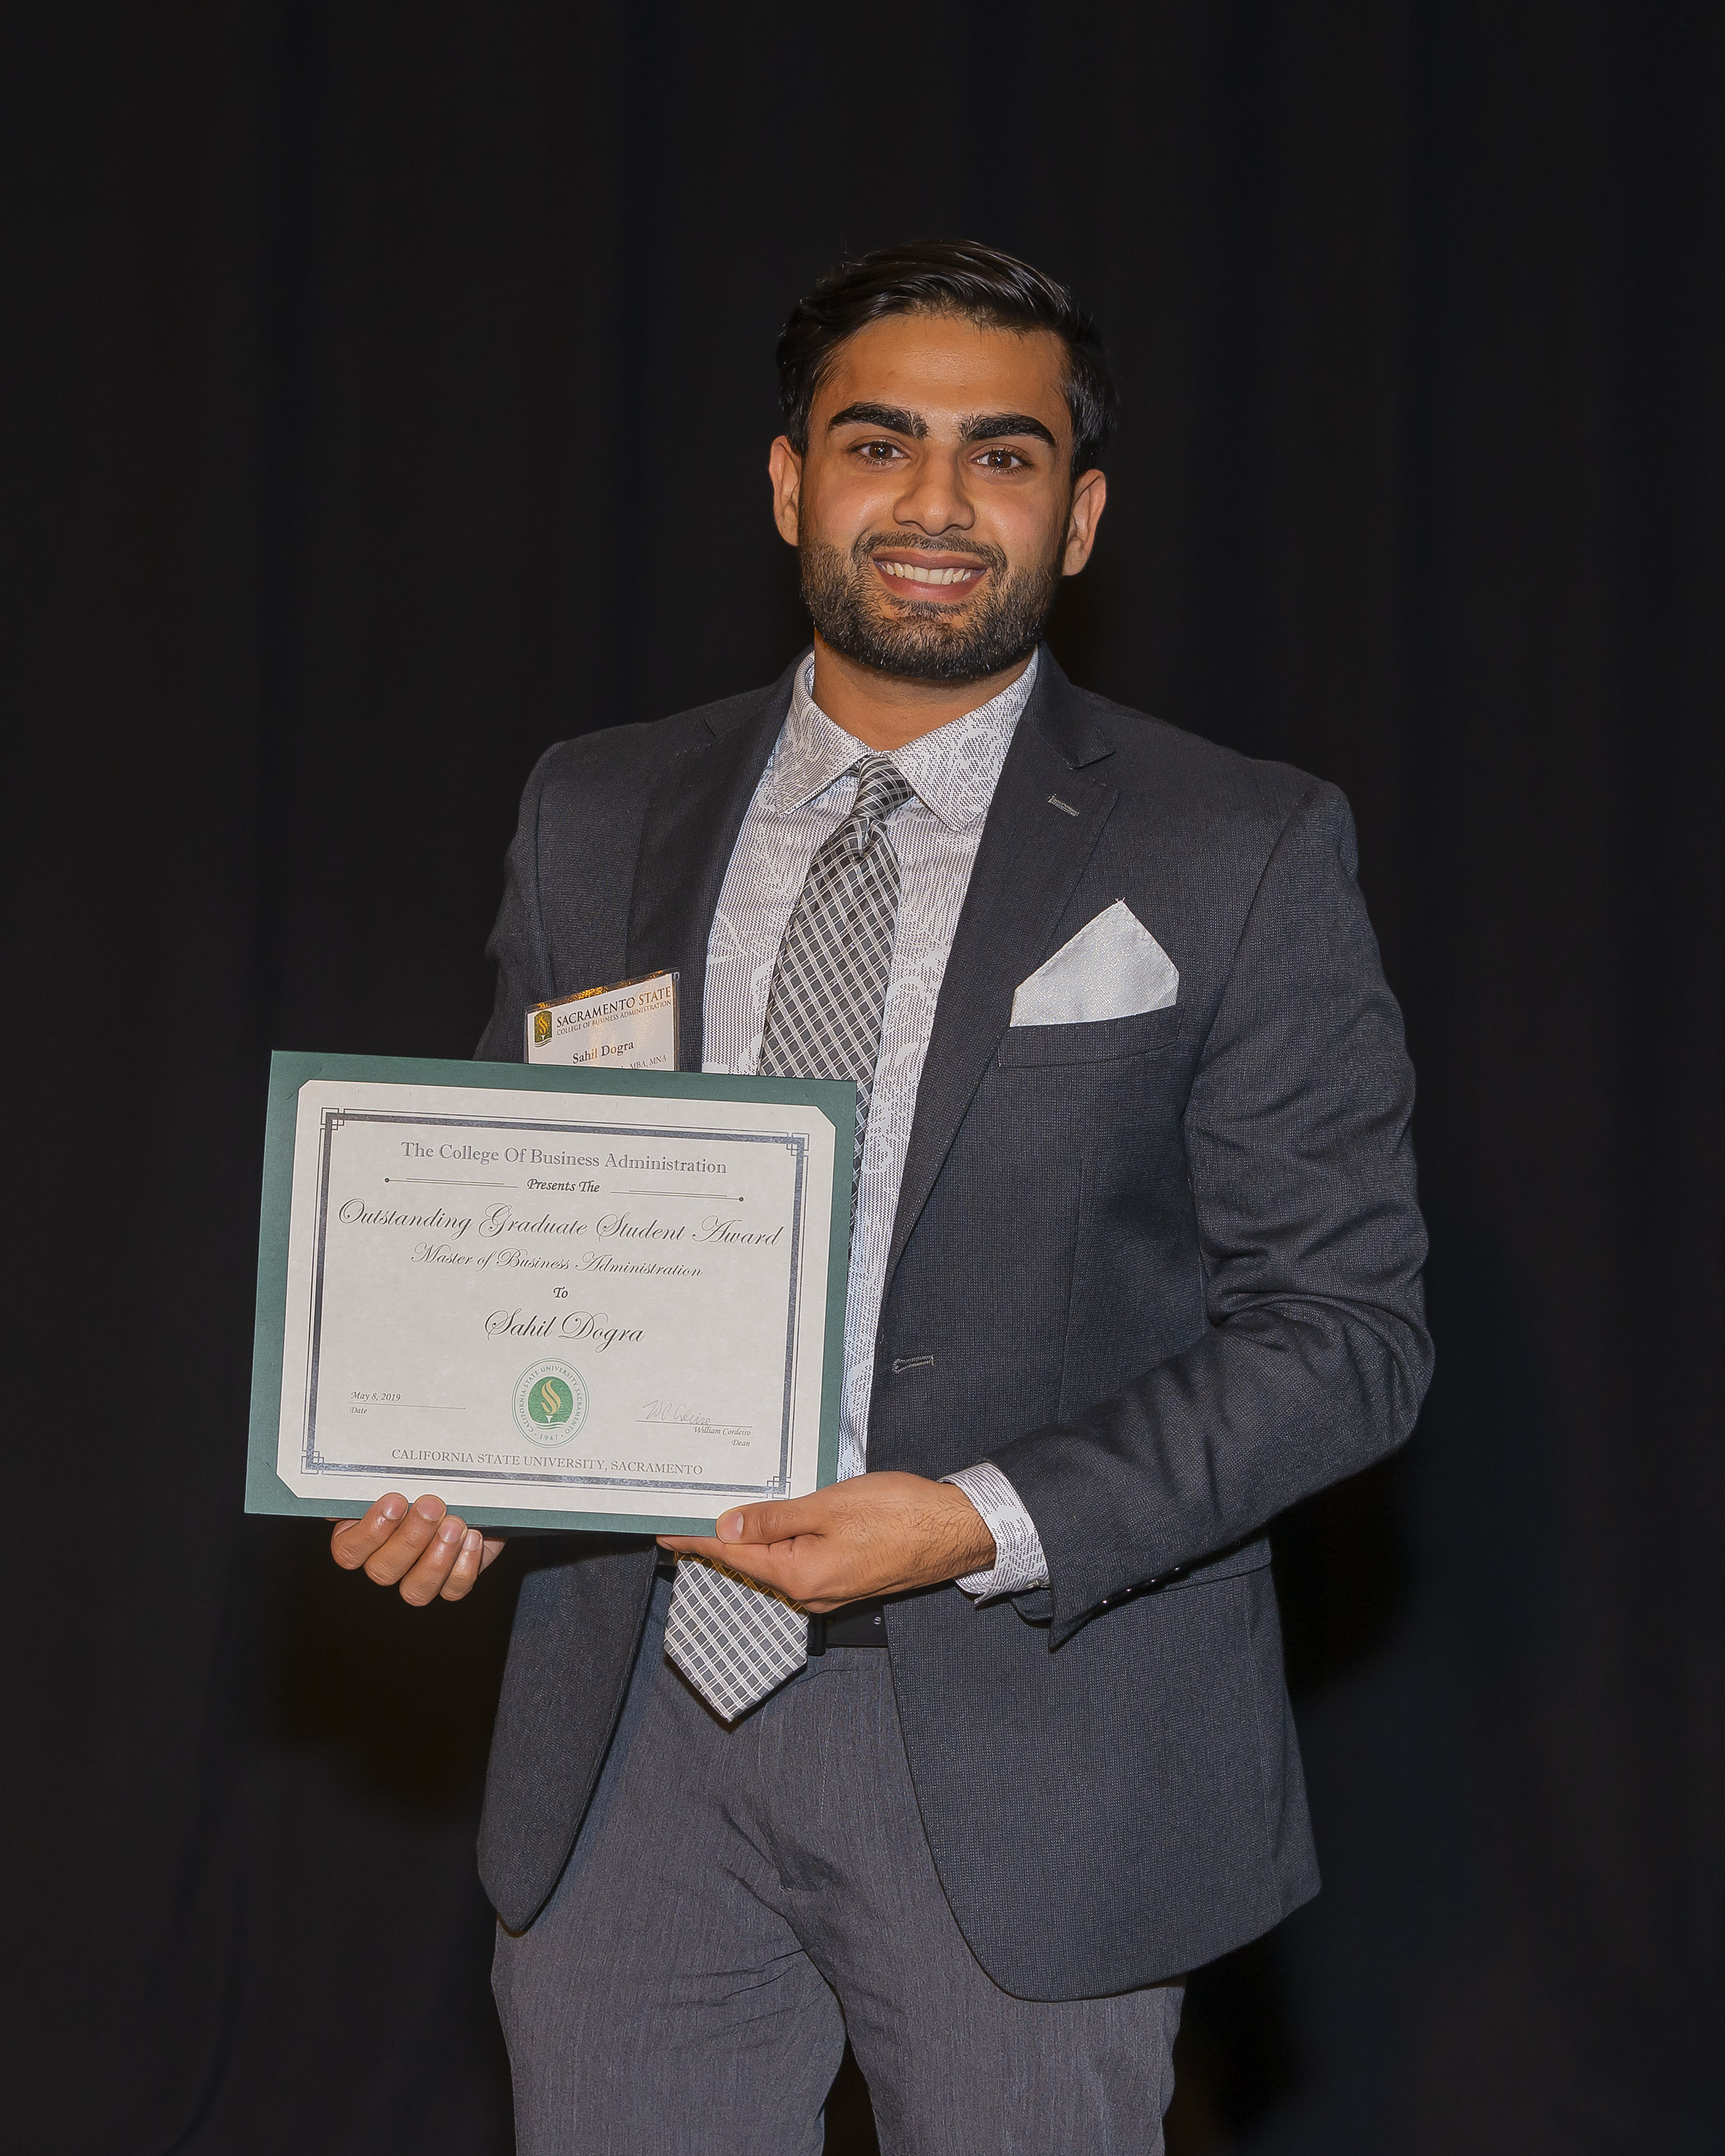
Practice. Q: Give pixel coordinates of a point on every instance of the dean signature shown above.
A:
(674, 1411)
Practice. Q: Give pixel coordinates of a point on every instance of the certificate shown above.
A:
(554, 1297)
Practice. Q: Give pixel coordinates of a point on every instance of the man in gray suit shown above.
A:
(974, 1753)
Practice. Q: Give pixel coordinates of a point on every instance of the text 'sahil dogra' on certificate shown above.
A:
(555, 1297)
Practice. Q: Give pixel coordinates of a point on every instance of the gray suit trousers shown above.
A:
(738, 1900)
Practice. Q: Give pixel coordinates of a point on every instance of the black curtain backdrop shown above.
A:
(390, 392)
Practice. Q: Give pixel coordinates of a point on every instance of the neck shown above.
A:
(886, 710)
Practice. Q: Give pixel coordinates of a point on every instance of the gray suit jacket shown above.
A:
(1167, 1268)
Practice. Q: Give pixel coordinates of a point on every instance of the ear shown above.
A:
(784, 468)
(1090, 498)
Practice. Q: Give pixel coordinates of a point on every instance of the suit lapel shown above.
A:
(694, 814)
(1031, 856)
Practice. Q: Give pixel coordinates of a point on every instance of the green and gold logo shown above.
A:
(550, 1402)
(541, 1028)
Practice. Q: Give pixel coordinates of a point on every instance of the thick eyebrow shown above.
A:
(893, 417)
(980, 427)
(990, 427)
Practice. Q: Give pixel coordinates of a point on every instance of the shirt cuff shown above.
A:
(1019, 1562)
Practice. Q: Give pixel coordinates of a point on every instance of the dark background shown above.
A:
(388, 393)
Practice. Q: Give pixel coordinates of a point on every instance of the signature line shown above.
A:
(707, 1429)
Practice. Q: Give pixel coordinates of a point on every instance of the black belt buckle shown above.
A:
(851, 1624)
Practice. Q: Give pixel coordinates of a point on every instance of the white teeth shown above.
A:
(914, 575)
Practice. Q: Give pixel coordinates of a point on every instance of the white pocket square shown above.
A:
(1113, 967)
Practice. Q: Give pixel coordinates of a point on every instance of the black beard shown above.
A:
(924, 641)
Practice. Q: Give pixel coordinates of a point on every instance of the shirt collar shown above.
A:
(955, 769)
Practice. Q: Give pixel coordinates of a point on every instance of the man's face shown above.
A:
(934, 512)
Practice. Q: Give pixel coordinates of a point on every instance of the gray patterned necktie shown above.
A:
(734, 1641)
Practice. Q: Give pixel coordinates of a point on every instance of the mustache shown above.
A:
(906, 542)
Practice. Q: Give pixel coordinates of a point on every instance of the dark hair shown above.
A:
(948, 277)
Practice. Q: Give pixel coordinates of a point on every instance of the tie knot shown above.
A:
(880, 788)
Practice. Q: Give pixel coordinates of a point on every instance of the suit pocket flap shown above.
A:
(1101, 1041)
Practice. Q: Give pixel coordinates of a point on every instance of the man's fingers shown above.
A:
(782, 1521)
(411, 1539)
(353, 1540)
(426, 1581)
(469, 1561)
(777, 1522)
(802, 1571)
(876, 1534)
(762, 1543)
(422, 1548)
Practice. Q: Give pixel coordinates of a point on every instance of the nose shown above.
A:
(934, 500)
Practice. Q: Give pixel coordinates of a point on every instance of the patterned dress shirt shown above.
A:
(804, 794)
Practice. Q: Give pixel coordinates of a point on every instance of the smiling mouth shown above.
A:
(947, 579)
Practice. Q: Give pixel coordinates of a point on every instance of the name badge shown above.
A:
(630, 1026)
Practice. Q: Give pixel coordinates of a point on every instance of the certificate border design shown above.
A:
(265, 1492)
(331, 1120)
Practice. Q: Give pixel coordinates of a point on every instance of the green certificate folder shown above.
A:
(556, 1298)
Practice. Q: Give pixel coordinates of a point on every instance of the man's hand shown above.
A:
(423, 1549)
(875, 1534)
